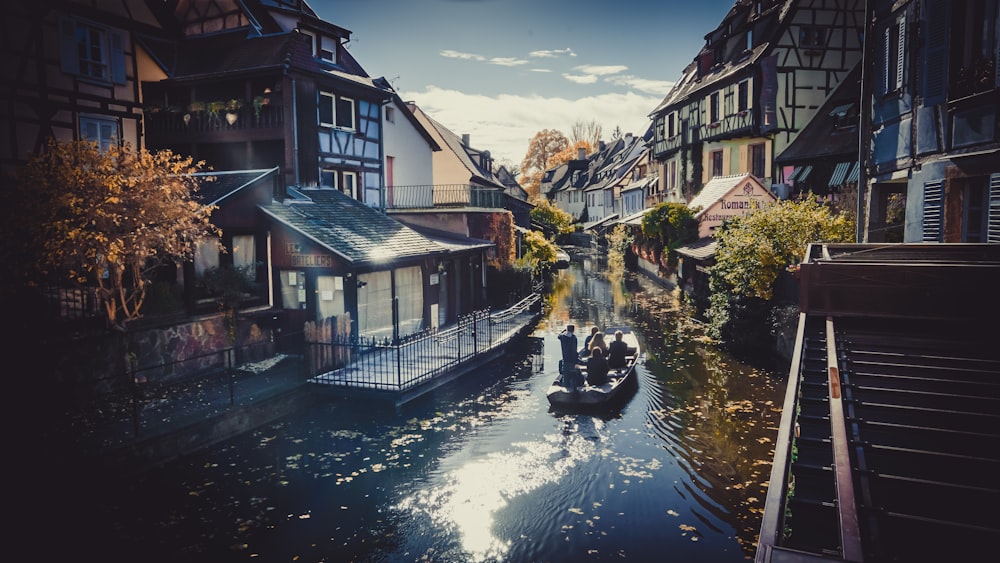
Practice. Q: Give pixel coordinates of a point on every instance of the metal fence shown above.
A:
(444, 195)
(373, 363)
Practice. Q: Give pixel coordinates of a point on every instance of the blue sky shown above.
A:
(502, 70)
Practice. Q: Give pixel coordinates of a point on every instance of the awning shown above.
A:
(839, 173)
(800, 173)
(855, 173)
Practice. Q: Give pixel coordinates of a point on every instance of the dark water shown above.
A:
(482, 470)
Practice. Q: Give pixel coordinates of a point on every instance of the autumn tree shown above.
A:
(541, 148)
(669, 226)
(539, 252)
(753, 250)
(545, 213)
(78, 217)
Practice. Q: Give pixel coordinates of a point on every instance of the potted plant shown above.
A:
(232, 110)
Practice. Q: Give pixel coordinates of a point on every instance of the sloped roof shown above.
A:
(700, 249)
(217, 186)
(453, 242)
(352, 230)
(715, 189)
(820, 138)
(454, 143)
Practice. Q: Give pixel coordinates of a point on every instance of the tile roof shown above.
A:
(700, 249)
(345, 226)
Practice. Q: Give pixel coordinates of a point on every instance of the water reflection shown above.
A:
(483, 470)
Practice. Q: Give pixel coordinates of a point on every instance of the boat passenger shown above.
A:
(617, 351)
(586, 343)
(598, 342)
(597, 367)
(570, 357)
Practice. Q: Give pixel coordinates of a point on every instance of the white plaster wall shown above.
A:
(412, 156)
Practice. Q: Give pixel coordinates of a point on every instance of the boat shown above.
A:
(562, 259)
(589, 396)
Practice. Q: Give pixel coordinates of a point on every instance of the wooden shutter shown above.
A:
(935, 71)
(993, 226)
(933, 210)
(116, 41)
(900, 52)
(69, 57)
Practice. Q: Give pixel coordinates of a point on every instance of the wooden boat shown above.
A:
(589, 396)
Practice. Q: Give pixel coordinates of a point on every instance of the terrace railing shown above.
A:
(443, 195)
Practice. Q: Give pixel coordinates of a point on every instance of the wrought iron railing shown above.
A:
(381, 364)
(443, 195)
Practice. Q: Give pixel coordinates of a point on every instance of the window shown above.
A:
(671, 174)
(973, 48)
(390, 114)
(975, 210)
(743, 96)
(893, 56)
(713, 108)
(812, 37)
(244, 255)
(749, 39)
(103, 131)
(336, 111)
(716, 163)
(757, 164)
(91, 51)
(344, 180)
(670, 125)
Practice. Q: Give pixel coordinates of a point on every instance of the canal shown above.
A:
(482, 470)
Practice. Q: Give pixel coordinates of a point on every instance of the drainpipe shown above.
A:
(864, 127)
(295, 132)
(381, 156)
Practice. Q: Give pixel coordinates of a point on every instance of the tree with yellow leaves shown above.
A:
(78, 217)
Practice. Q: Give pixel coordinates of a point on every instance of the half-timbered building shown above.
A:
(756, 82)
(73, 70)
(934, 128)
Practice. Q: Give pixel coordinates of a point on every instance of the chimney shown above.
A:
(581, 153)
(465, 139)
(600, 145)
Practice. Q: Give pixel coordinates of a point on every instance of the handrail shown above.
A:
(850, 532)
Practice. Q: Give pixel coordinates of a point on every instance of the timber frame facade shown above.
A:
(51, 87)
(757, 81)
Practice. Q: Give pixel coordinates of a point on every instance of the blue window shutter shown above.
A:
(993, 227)
(900, 53)
(935, 71)
(117, 42)
(933, 210)
(69, 57)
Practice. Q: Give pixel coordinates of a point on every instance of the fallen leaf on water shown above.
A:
(673, 513)
(576, 510)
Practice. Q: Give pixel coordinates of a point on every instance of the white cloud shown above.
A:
(507, 61)
(504, 124)
(581, 78)
(553, 53)
(647, 85)
(449, 54)
(599, 70)
(539, 70)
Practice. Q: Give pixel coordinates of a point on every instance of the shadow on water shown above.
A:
(483, 469)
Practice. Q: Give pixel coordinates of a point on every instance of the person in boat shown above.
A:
(586, 343)
(570, 357)
(617, 351)
(597, 367)
(598, 342)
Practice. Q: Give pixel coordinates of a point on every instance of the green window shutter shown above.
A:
(933, 210)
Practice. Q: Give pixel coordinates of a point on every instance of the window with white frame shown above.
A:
(893, 60)
(345, 181)
(390, 114)
(336, 111)
(92, 51)
(101, 130)
(713, 108)
(743, 96)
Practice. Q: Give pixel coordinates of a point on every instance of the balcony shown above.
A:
(454, 196)
(247, 122)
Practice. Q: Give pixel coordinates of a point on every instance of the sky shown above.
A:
(502, 70)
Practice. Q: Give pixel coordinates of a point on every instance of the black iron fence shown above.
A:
(374, 363)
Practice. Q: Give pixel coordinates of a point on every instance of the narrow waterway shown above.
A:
(482, 470)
